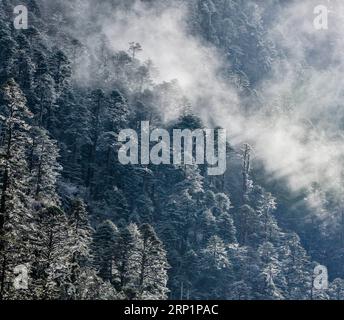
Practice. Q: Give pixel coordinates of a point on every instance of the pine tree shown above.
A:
(214, 270)
(8, 50)
(247, 223)
(117, 112)
(80, 239)
(59, 69)
(336, 289)
(272, 283)
(127, 260)
(96, 102)
(92, 287)
(44, 167)
(51, 265)
(264, 205)
(152, 275)
(73, 131)
(225, 223)
(15, 210)
(297, 269)
(104, 245)
(44, 93)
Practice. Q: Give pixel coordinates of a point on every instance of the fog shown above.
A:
(296, 119)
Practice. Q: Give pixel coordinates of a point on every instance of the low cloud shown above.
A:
(295, 121)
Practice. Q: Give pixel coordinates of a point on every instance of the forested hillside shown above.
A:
(87, 227)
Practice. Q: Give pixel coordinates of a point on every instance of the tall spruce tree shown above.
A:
(15, 206)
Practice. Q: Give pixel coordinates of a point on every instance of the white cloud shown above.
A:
(295, 130)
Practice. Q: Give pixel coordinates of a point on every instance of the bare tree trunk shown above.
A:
(245, 171)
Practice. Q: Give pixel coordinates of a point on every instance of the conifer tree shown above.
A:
(50, 270)
(104, 246)
(80, 239)
(15, 206)
(152, 275)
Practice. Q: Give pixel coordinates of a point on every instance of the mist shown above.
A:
(295, 121)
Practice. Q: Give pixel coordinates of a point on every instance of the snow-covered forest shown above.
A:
(86, 227)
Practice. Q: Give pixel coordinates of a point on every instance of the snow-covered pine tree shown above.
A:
(214, 270)
(44, 166)
(79, 241)
(104, 244)
(271, 281)
(127, 260)
(15, 206)
(225, 223)
(50, 270)
(153, 266)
